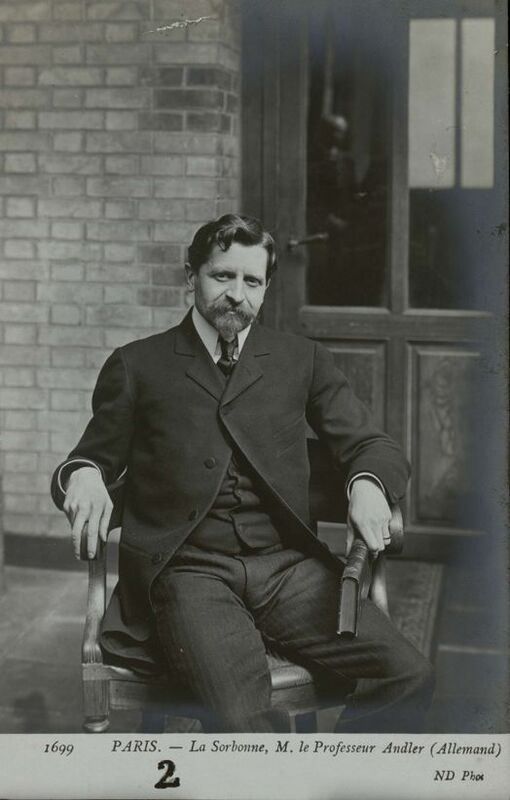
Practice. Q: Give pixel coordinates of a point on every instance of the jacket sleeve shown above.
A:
(107, 438)
(344, 423)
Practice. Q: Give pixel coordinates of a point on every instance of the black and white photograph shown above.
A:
(254, 399)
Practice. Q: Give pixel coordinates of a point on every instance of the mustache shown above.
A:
(241, 311)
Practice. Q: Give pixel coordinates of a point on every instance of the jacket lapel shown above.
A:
(204, 371)
(202, 368)
(248, 370)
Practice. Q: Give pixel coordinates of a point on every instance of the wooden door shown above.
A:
(361, 137)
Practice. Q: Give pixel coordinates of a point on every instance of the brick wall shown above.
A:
(116, 141)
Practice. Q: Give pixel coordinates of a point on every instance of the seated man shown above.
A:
(216, 556)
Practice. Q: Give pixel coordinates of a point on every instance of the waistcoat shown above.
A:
(239, 519)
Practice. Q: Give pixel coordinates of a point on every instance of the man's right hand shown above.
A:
(87, 503)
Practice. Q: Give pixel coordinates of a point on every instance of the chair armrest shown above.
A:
(378, 591)
(96, 599)
(396, 532)
(96, 603)
(357, 578)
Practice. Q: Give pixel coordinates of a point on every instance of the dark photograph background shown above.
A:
(370, 136)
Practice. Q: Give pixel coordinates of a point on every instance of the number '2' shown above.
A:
(167, 781)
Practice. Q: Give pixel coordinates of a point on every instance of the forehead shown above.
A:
(240, 258)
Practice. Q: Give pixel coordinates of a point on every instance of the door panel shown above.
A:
(444, 435)
(364, 366)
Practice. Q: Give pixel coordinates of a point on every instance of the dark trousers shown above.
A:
(216, 613)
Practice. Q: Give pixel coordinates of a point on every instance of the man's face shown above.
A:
(230, 287)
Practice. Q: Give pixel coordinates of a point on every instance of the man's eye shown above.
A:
(252, 282)
(221, 277)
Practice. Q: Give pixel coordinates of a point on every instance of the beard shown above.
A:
(229, 320)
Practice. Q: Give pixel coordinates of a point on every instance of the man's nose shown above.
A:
(235, 291)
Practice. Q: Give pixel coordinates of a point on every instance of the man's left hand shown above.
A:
(369, 516)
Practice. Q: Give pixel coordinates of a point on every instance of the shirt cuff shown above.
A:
(83, 461)
(365, 475)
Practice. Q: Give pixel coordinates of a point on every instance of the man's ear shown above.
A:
(190, 276)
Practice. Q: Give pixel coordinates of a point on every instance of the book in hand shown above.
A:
(355, 584)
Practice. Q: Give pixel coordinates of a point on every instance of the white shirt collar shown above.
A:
(210, 336)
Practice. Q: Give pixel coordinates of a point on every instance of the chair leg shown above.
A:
(306, 723)
(93, 725)
(96, 704)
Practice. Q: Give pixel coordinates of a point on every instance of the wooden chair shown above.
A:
(113, 686)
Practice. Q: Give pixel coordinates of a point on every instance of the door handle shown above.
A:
(311, 238)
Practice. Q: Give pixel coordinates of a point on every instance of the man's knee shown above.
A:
(418, 680)
(409, 665)
(416, 673)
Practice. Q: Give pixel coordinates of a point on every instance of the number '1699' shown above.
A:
(59, 748)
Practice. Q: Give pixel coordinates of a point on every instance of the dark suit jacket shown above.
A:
(160, 409)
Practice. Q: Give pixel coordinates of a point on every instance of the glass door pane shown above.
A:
(348, 154)
(453, 203)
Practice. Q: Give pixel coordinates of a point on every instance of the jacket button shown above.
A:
(210, 463)
(193, 514)
(157, 558)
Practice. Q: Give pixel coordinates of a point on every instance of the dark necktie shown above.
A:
(226, 363)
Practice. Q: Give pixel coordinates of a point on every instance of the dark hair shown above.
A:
(225, 230)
